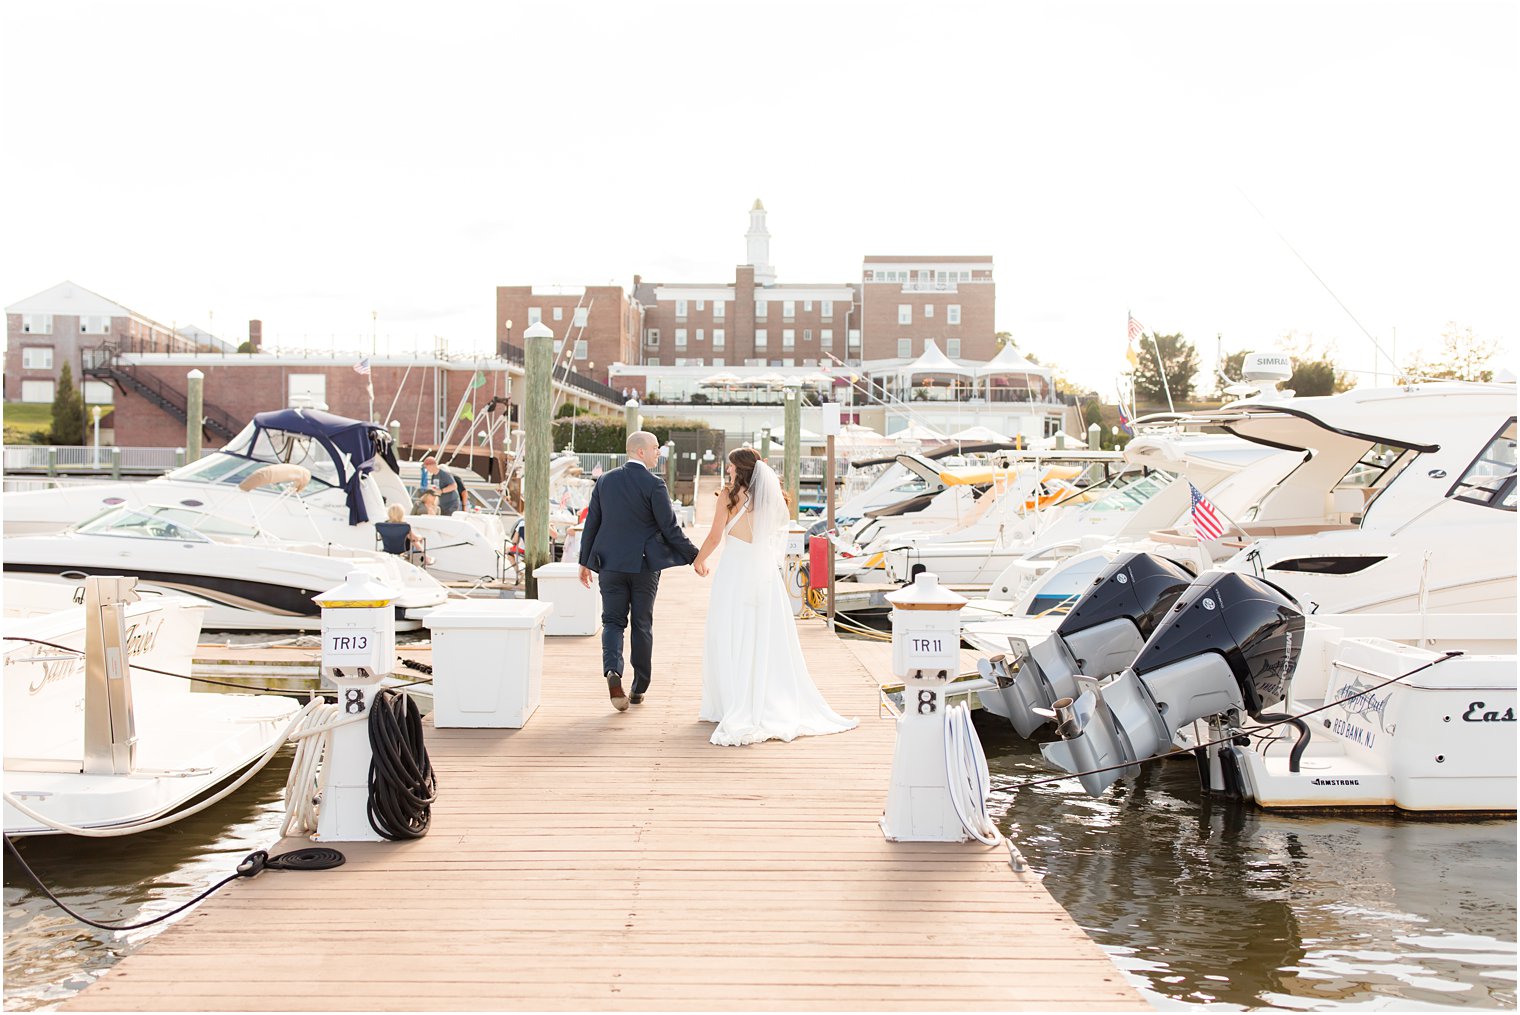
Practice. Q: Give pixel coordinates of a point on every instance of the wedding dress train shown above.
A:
(755, 681)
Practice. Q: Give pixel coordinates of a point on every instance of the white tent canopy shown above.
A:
(1010, 361)
(935, 362)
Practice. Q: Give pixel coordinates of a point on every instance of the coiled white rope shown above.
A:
(970, 781)
(308, 776)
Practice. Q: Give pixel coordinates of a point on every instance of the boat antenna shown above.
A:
(1378, 349)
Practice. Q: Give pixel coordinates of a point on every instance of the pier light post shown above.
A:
(765, 442)
(95, 414)
(538, 363)
(358, 651)
(792, 401)
(631, 417)
(926, 654)
(195, 411)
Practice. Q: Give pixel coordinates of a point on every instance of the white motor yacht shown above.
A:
(1410, 711)
(246, 579)
(94, 747)
(297, 474)
(1399, 525)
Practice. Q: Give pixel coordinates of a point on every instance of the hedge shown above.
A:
(604, 435)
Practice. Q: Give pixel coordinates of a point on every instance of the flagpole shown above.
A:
(1161, 368)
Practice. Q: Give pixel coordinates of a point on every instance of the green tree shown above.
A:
(1003, 338)
(1180, 360)
(68, 410)
(1461, 356)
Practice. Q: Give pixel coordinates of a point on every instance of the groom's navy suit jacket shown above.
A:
(630, 525)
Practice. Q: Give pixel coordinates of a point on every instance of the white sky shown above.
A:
(308, 163)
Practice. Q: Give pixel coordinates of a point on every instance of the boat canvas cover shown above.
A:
(345, 440)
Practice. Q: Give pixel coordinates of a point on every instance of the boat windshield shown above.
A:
(165, 522)
(255, 448)
(1130, 494)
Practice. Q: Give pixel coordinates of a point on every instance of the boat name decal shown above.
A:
(1474, 713)
(1351, 731)
(1360, 703)
(142, 635)
(1336, 782)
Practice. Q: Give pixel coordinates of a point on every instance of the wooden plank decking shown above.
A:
(604, 860)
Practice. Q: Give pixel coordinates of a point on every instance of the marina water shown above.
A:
(1200, 903)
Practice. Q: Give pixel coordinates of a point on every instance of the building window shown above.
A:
(680, 338)
(559, 347)
(788, 362)
(905, 313)
(37, 357)
(95, 325)
(701, 304)
(580, 316)
(717, 310)
(953, 314)
(718, 338)
(788, 309)
(36, 391)
(559, 313)
(760, 338)
(701, 335)
(905, 348)
(653, 361)
(680, 310)
(788, 338)
(953, 348)
(37, 324)
(807, 334)
(717, 361)
(759, 310)
(828, 310)
(580, 349)
(826, 338)
(652, 336)
(928, 310)
(535, 315)
(307, 391)
(807, 306)
(854, 338)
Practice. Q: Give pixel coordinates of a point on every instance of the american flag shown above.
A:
(1205, 519)
(362, 367)
(564, 500)
(1135, 331)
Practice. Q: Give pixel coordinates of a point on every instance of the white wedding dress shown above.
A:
(755, 682)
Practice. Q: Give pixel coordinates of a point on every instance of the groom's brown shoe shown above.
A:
(615, 691)
(635, 699)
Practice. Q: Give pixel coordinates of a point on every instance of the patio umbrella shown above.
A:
(979, 435)
(918, 432)
(720, 380)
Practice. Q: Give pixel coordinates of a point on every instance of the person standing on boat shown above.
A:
(755, 680)
(444, 483)
(631, 535)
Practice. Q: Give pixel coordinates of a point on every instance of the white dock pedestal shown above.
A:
(488, 661)
(577, 609)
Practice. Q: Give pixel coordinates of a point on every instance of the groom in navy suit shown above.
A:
(631, 535)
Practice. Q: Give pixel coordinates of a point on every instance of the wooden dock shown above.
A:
(606, 860)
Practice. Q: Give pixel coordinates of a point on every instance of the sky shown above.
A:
(1328, 169)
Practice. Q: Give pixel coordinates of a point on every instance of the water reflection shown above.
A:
(48, 956)
(1202, 902)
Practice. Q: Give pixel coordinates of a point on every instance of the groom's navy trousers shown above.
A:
(631, 535)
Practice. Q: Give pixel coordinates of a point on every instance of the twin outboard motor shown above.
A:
(1228, 646)
(1101, 635)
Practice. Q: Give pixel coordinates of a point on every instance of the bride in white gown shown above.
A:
(755, 682)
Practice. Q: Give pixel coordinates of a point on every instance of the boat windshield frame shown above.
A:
(248, 448)
(166, 522)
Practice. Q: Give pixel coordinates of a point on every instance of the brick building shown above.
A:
(52, 328)
(600, 321)
(906, 302)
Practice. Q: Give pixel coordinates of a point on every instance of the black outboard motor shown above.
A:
(1228, 645)
(1101, 635)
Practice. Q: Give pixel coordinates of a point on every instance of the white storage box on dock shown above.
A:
(488, 661)
(577, 609)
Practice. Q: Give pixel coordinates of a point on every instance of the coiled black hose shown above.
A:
(402, 786)
(1303, 735)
